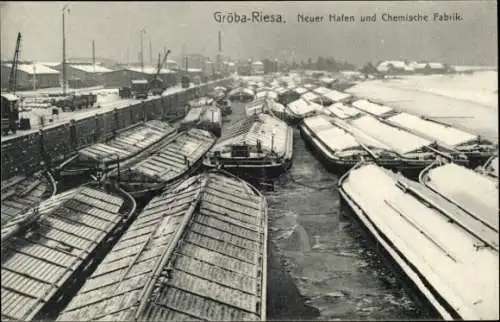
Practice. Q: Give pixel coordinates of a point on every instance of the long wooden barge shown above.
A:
(20, 193)
(197, 252)
(376, 110)
(445, 254)
(48, 251)
(207, 117)
(414, 152)
(299, 109)
(258, 146)
(175, 160)
(477, 149)
(103, 157)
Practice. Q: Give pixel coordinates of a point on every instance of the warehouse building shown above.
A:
(125, 75)
(83, 75)
(29, 76)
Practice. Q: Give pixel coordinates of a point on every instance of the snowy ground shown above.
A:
(469, 102)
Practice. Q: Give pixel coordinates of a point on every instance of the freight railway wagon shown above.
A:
(76, 102)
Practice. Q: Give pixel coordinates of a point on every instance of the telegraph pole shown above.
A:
(151, 53)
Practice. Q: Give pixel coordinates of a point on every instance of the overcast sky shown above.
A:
(115, 28)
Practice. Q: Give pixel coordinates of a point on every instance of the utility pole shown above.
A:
(128, 57)
(143, 32)
(64, 81)
(151, 53)
(93, 60)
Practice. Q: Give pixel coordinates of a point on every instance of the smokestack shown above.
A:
(93, 56)
(220, 42)
(186, 62)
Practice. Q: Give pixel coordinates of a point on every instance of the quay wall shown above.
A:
(22, 155)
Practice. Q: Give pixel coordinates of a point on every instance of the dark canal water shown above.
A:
(321, 265)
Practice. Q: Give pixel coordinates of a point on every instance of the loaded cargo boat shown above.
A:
(49, 250)
(414, 153)
(258, 146)
(98, 158)
(20, 193)
(478, 150)
(175, 159)
(241, 94)
(206, 117)
(400, 214)
(197, 252)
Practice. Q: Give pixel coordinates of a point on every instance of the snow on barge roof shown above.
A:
(197, 252)
(448, 135)
(47, 247)
(332, 136)
(337, 96)
(431, 245)
(399, 140)
(302, 107)
(173, 158)
(372, 108)
(129, 142)
(474, 192)
(342, 111)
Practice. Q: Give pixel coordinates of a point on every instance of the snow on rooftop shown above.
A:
(36, 68)
(434, 65)
(472, 191)
(302, 107)
(91, 68)
(336, 96)
(322, 90)
(301, 90)
(371, 108)
(399, 140)
(465, 276)
(332, 136)
(309, 96)
(342, 111)
(149, 70)
(309, 86)
(432, 130)
(10, 97)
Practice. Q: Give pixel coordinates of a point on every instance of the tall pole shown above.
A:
(151, 53)
(93, 60)
(143, 31)
(64, 49)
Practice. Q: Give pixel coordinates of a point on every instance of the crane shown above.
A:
(9, 101)
(157, 84)
(13, 70)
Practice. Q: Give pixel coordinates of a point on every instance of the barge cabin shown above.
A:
(197, 252)
(49, 251)
(207, 117)
(99, 158)
(297, 110)
(175, 160)
(478, 150)
(256, 147)
(443, 268)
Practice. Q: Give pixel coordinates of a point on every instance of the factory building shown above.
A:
(125, 75)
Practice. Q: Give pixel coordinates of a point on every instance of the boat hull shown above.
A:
(390, 256)
(340, 167)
